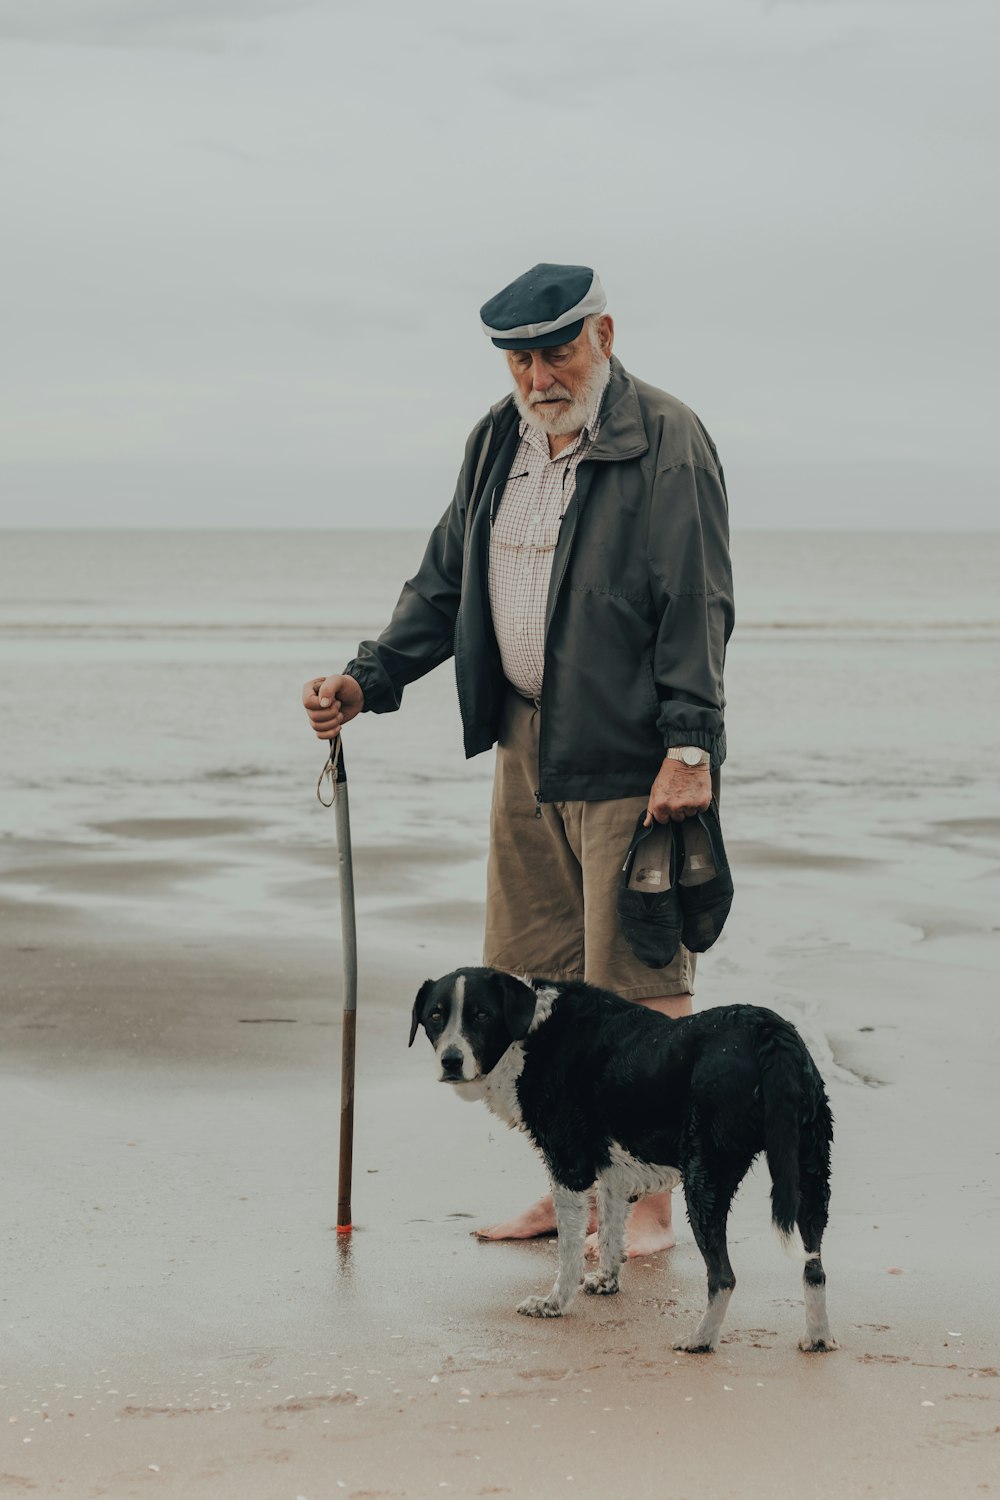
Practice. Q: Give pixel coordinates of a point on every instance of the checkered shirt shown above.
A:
(528, 512)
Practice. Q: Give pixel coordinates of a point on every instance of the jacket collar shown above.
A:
(621, 434)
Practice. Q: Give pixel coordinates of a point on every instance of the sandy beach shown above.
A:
(180, 1318)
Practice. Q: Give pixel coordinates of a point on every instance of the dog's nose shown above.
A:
(452, 1061)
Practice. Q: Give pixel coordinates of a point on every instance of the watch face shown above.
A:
(691, 757)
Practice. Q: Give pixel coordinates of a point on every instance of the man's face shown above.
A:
(555, 388)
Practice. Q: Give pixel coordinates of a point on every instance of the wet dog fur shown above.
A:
(621, 1099)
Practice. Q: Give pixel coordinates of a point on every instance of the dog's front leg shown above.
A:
(612, 1211)
(572, 1216)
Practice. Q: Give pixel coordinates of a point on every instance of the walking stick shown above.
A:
(336, 772)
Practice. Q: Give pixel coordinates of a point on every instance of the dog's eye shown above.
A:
(436, 1014)
(482, 1015)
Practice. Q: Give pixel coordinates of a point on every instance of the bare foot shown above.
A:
(648, 1229)
(647, 1232)
(533, 1224)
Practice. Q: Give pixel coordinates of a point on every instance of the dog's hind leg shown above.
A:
(572, 1216)
(817, 1339)
(612, 1211)
(814, 1198)
(708, 1200)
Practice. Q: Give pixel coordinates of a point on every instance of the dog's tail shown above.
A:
(788, 1085)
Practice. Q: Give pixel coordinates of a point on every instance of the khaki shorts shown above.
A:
(552, 881)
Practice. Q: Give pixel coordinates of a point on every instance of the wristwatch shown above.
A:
(689, 754)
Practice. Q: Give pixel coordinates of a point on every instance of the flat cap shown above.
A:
(545, 306)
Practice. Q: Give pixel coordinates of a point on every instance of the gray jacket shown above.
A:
(640, 603)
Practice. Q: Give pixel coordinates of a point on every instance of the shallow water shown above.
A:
(158, 675)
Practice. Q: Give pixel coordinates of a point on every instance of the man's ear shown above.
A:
(418, 1008)
(518, 1005)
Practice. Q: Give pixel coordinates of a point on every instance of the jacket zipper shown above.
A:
(550, 616)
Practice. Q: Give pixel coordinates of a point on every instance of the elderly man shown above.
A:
(581, 579)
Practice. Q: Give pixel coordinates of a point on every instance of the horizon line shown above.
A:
(917, 530)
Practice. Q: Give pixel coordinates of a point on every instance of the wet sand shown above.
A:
(181, 1319)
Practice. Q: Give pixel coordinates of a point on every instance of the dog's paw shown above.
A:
(539, 1307)
(817, 1346)
(600, 1283)
(688, 1346)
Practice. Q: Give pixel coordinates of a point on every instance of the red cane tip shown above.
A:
(344, 1228)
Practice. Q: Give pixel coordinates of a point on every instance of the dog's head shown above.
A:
(471, 1017)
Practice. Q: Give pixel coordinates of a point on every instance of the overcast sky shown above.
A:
(245, 242)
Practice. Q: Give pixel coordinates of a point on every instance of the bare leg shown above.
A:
(673, 1006)
(572, 1210)
(650, 1225)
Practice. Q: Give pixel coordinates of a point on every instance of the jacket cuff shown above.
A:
(367, 681)
(715, 744)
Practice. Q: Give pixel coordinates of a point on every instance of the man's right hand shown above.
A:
(332, 702)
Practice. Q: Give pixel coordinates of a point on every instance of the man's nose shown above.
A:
(541, 375)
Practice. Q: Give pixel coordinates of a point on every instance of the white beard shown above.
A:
(558, 419)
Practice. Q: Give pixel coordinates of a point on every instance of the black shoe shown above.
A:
(705, 884)
(649, 908)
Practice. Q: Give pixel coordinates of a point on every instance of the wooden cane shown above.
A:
(336, 771)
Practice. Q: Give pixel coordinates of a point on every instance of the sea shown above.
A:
(157, 675)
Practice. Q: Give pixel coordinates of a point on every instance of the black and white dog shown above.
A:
(616, 1095)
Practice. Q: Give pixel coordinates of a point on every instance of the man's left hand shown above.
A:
(679, 792)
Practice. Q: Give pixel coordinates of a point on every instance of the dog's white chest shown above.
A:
(499, 1091)
(632, 1177)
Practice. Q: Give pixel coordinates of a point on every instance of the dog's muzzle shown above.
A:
(452, 1062)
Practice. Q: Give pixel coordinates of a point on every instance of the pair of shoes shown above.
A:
(649, 908)
(675, 886)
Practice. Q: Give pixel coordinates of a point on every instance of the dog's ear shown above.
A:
(518, 1005)
(418, 1008)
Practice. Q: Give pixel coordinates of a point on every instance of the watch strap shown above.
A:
(685, 753)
